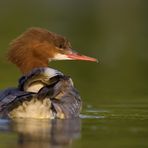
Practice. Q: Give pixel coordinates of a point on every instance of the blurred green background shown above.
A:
(114, 31)
(114, 91)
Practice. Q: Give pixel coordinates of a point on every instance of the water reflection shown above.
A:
(36, 133)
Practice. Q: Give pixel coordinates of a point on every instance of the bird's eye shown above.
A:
(60, 46)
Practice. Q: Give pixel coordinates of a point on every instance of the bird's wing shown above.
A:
(9, 97)
(65, 99)
(42, 75)
(69, 102)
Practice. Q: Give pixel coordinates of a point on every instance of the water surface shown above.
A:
(106, 126)
(114, 91)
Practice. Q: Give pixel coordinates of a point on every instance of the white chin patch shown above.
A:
(59, 56)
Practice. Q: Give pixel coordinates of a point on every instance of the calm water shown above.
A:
(106, 126)
(114, 92)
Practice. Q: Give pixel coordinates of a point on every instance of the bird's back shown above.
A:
(55, 97)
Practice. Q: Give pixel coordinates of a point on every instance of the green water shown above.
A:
(114, 91)
(106, 126)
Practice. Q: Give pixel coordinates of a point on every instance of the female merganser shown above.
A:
(42, 92)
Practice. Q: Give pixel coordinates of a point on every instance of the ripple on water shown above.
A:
(4, 124)
(93, 114)
(82, 116)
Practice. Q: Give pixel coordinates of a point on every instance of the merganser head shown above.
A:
(37, 46)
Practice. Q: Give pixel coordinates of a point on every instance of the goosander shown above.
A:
(42, 92)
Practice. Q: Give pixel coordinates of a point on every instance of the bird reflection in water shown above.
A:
(46, 133)
(34, 133)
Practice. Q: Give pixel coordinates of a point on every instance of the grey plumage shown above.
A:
(56, 95)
